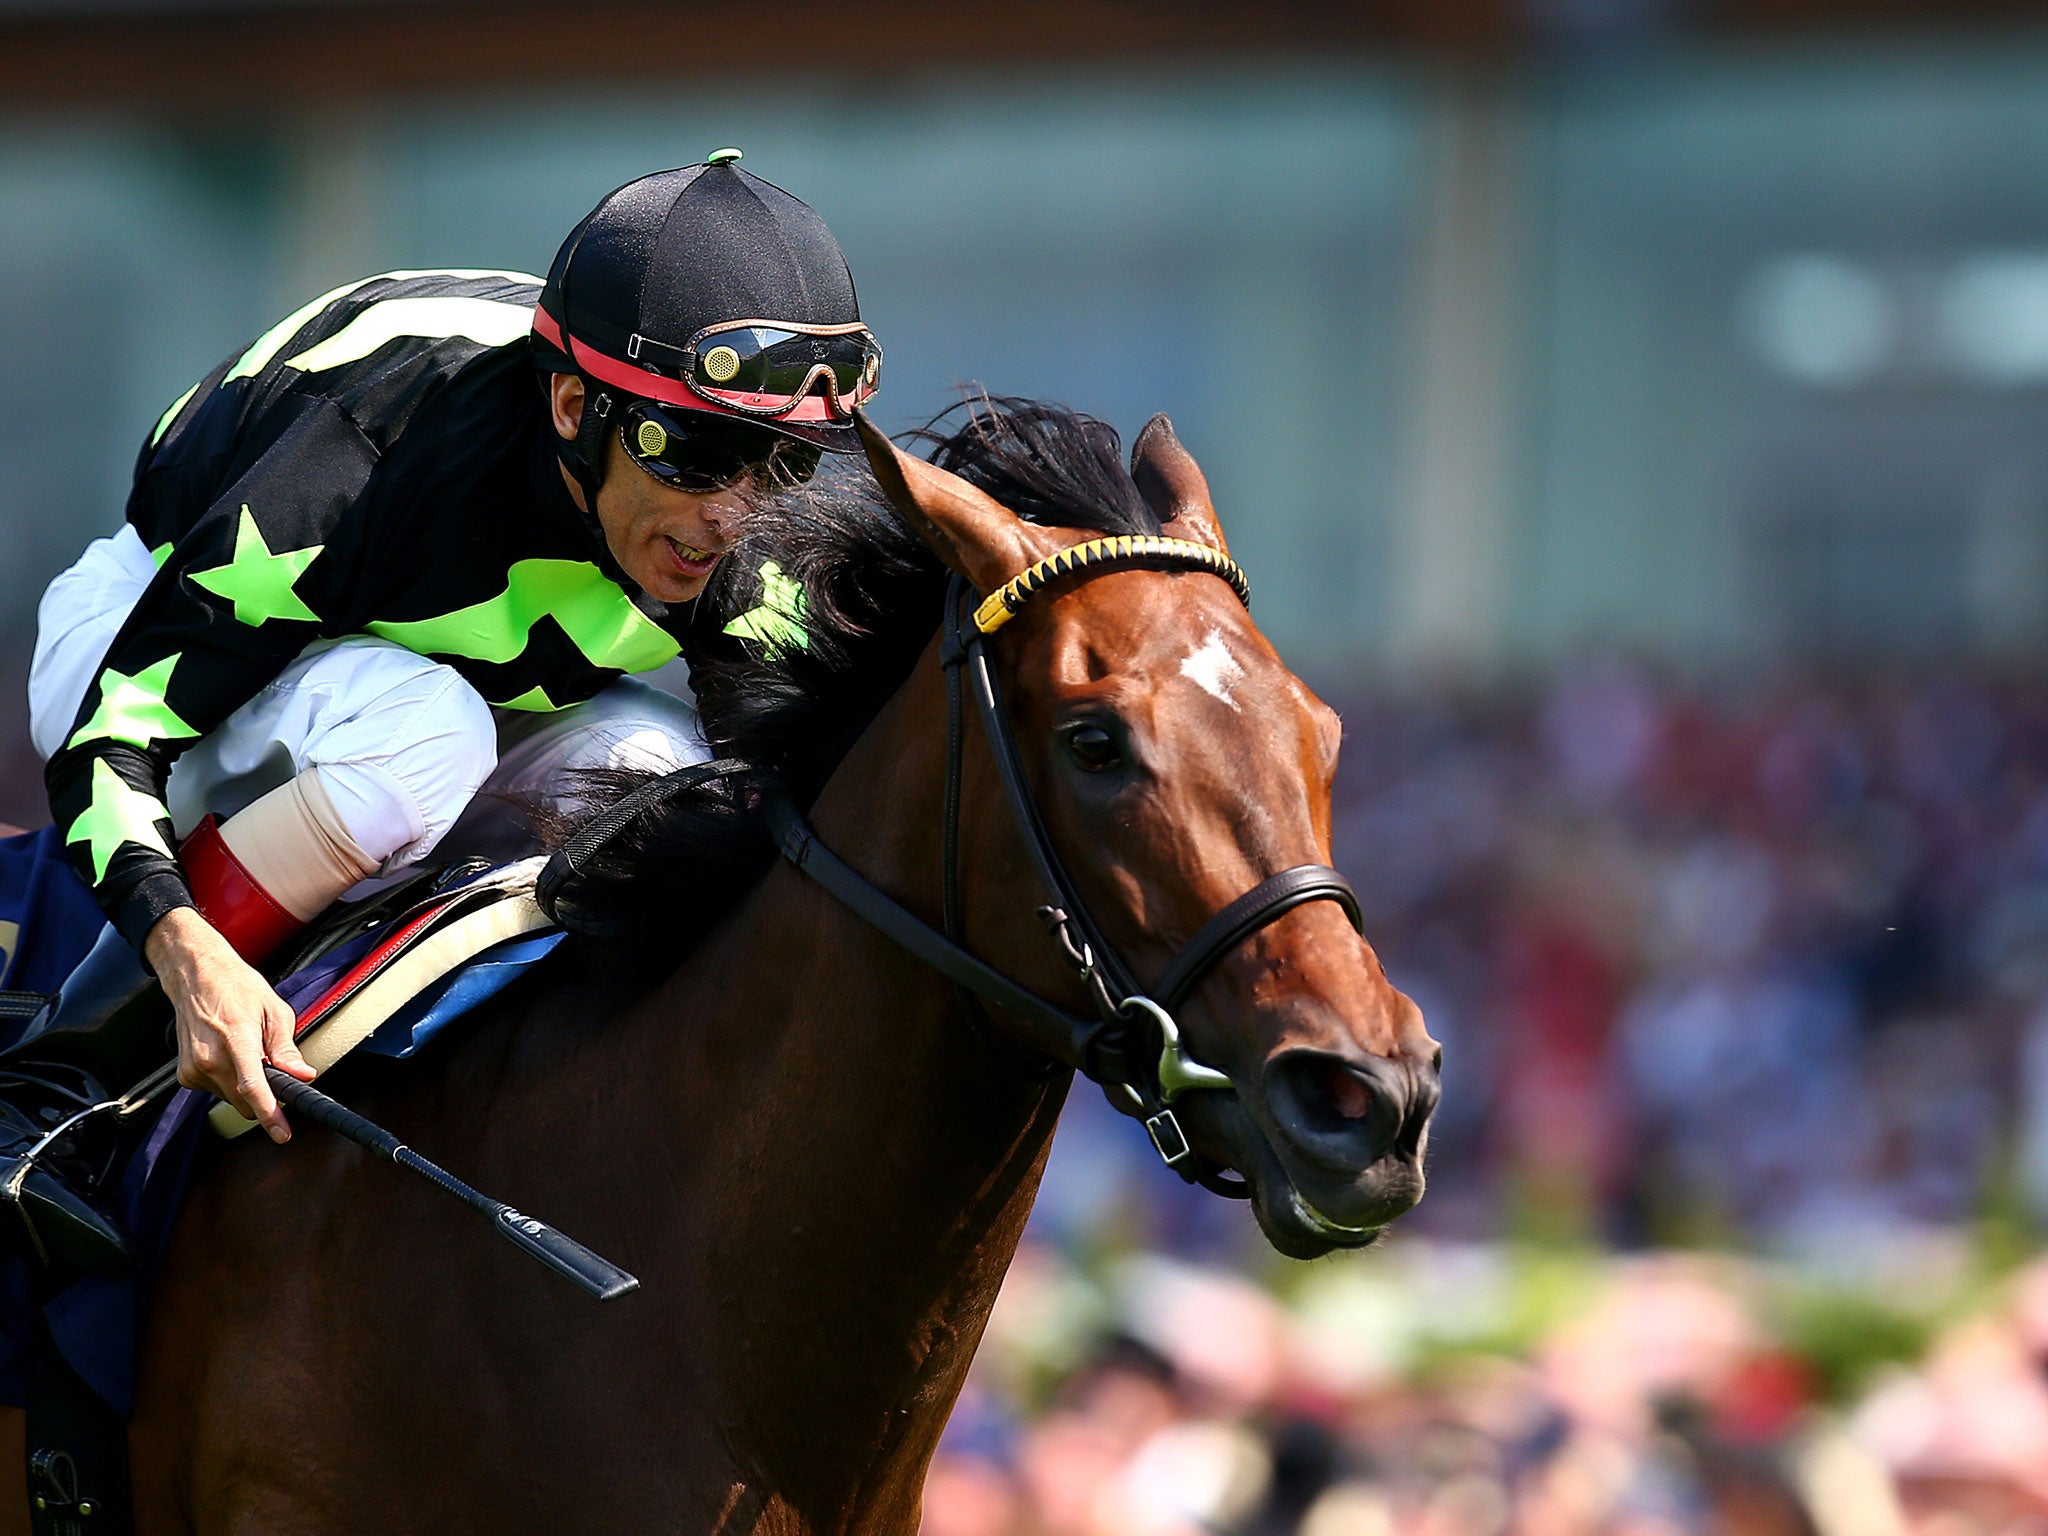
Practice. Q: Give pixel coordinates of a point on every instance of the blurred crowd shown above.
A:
(1757, 967)
(1767, 962)
(1442, 1390)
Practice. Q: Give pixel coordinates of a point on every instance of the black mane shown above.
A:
(872, 595)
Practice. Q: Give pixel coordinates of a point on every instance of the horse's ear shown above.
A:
(976, 535)
(1172, 485)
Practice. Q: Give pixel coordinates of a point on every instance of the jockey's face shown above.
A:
(666, 539)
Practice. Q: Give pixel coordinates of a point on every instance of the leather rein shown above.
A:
(1131, 1047)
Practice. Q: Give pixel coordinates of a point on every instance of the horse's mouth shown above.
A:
(1301, 1231)
(1223, 1128)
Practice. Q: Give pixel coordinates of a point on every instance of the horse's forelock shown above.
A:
(1045, 462)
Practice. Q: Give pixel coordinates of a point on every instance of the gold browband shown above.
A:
(1146, 549)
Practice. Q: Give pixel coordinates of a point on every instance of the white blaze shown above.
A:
(1211, 668)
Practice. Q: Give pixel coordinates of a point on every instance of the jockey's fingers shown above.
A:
(199, 1059)
(279, 1026)
(253, 1098)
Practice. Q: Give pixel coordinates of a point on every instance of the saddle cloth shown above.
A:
(406, 969)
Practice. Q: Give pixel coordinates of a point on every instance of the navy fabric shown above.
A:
(302, 989)
(36, 879)
(96, 1322)
(48, 920)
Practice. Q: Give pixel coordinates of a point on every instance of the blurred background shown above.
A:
(1631, 413)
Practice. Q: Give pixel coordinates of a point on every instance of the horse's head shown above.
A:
(1177, 764)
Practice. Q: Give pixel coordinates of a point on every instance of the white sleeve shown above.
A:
(81, 612)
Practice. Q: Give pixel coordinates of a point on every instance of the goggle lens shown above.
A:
(712, 454)
(764, 368)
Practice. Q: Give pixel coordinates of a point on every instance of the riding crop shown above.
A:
(561, 1253)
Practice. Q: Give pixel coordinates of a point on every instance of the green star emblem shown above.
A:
(258, 582)
(134, 709)
(119, 813)
(535, 699)
(778, 623)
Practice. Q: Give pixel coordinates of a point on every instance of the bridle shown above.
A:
(1132, 1046)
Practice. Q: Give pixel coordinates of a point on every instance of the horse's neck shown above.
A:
(863, 1162)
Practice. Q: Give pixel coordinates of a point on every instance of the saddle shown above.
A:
(363, 964)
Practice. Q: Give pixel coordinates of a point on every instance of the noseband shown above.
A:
(1132, 1047)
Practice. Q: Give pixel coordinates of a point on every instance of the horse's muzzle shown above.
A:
(1332, 1144)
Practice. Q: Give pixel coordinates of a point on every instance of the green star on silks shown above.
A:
(778, 623)
(134, 709)
(258, 582)
(119, 813)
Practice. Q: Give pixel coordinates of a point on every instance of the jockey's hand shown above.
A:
(230, 1021)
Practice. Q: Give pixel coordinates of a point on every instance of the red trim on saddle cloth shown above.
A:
(228, 897)
(353, 979)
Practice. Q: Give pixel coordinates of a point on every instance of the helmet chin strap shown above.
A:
(583, 455)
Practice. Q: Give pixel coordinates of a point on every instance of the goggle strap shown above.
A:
(1146, 549)
(637, 344)
(636, 381)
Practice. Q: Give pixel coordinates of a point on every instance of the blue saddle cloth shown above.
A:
(48, 921)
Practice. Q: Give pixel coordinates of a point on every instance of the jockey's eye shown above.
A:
(1093, 747)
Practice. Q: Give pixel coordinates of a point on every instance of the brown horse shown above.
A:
(817, 1168)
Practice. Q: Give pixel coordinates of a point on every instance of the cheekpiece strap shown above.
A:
(1148, 550)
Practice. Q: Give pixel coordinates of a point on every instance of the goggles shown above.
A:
(773, 368)
(693, 452)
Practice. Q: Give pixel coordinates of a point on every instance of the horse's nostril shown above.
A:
(1336, 1111)
(1346, 1094)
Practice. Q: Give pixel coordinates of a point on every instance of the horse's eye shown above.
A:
(1093, 748)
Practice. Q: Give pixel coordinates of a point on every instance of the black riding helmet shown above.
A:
(712, 319)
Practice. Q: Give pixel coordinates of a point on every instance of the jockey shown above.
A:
(368, 569)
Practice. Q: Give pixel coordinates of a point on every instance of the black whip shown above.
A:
(561, 1253)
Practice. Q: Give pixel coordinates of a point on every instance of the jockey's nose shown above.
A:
(722, 512)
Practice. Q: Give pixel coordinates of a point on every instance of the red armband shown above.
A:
(228, 897)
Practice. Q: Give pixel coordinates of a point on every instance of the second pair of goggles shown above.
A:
(775, 369)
